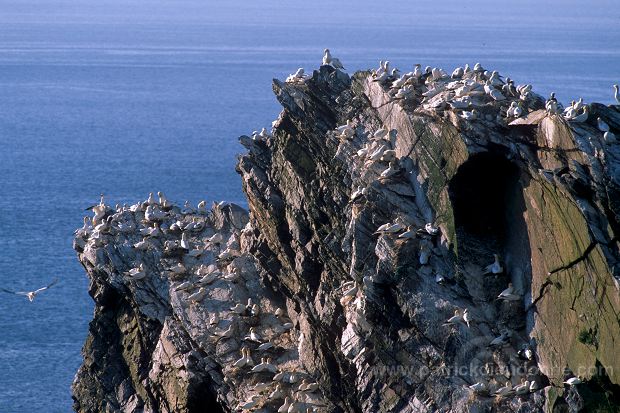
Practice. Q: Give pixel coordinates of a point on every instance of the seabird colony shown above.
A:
(466, 91)
(181, 246)
(165, 226)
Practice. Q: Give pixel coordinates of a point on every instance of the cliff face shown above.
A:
(363, 314)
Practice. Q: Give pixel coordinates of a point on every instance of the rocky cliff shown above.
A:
(358, 281)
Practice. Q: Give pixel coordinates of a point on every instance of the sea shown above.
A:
(127, 97)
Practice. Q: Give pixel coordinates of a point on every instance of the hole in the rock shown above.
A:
(480, 193)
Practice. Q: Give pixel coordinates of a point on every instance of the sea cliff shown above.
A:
(356, 320)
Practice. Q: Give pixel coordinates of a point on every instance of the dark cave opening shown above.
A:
(481, 192)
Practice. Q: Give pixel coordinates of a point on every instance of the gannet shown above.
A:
(410, 233)
(377, 154)
(227, 333)
(440, 279)
(478, 68)
(455, 319)
(86, 229)
(534, 386)
(163, 201)
(239, 308)
(198, 295)
(617, 94)
(137, 273)
(265, 346)
(494, 268)
(478, 387)
(509, 294)
(209, 278)
(284, 408)
(358, 193)
(430, 229)
(526, 353)
(328, 59)
(602, 126)
(417, 71)
(184, 242)
(390, 228)
(178, 269)
(142, 245)
(183, 286)
(505, 391)
(243, 360)
(31, 294)
(151, 200)
(522, 388)
(457, 73)
(216, 238)
(214, 319)
(579, 104)
(280, 313)
(308, 386)
(573, 381)
(469, 115)
(253, 336)
(390, 171)
(259, 367)
(202, 207)
(277, 393)
(250, 404)
(299, 75)
(582, 117)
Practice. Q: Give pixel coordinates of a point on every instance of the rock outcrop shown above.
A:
(350, 319)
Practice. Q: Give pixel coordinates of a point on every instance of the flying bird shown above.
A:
(31, 294)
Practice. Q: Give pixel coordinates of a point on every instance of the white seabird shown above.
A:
(602, 126)
(254, 336)
(31, 294)
(284, 408)
(238, 308)
(277, 393)
(455, 319)
(409, 234)
(509, 294)
(582, 117)
(390, 228)
(478, 387)
(469, 115)
(505, 391)
(573, 381)
(250, 404)
(198, 295)
(328, 59)
(430, 229)
(617, 94)
(522, 388)
(184, 242)
(390, 171)
(495, 267)
(137, 273)
(243, 360)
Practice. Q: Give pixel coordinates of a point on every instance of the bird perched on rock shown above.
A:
(495, 267)
(509, 294)
(617, 94)
(328, 59)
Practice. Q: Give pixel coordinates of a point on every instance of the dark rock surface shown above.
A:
(365, 312)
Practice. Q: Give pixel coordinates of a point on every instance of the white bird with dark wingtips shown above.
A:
(455, 319)
(478, 387)
(31, 294)
(390, 228)
(505, 391)
(253, 336)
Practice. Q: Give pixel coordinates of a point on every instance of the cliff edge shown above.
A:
(419, 243)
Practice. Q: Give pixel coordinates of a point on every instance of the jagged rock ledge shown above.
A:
(365, 312)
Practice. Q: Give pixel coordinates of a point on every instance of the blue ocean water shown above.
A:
(128, 97)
